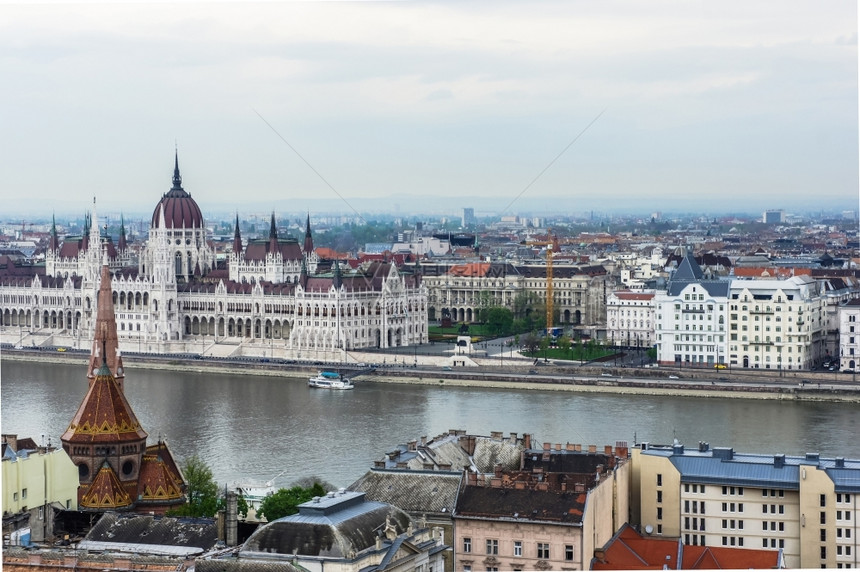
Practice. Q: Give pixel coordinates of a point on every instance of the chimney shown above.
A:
(513, 438)
(412, 445)
(607, 450)
(11, 439)
(527, 440)
(379, 464)
(592, 448)
(570, 447)
(558, 446)
(424, 440)
(778, 461)
(578, 447)
(232, 519)
(547, 446)
(495, 434)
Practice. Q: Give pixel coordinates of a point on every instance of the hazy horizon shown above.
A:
(510, 108)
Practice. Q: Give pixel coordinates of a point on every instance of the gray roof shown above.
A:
(152, 534)
(235, 565)
(448, 451)
(715, 288)
(722, 466)
(414, 491)
(336, 527)
(689, 272)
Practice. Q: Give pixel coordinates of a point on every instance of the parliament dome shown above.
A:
(180, 210)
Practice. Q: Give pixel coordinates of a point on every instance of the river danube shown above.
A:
(249, 427)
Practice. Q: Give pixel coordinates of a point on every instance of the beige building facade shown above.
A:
(804, 506)
(541, 518)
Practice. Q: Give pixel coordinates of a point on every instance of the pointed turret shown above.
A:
(123, 245)
(273, 235)
(105, 341)
(54, 243)
(85, 235)
(303, 275)
(177, 178)
(237, 238)
(309, 241)
(338, 277)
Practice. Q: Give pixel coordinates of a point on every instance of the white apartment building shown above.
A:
(630, 318)
(691, 318)
(849, 334)
(776, 324)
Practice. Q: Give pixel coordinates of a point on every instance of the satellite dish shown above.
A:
(649, 529)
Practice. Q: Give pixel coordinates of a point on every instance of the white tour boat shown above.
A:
(330, 380)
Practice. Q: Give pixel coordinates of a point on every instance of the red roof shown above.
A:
(629, 550)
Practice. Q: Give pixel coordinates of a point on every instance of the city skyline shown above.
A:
(525, 108)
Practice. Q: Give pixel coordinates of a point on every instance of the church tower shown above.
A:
(116, 469)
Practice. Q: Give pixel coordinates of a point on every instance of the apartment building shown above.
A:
(776, 324)
(550, 515)
(630, 318)
(805, 506)
(849, 334)
(691, 318)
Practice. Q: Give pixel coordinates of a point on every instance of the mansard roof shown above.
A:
(105, 415)
(415, 491)
(289, 249)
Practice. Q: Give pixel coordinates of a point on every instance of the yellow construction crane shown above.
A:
(551, 244)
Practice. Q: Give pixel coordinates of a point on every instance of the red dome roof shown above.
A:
(180, 210)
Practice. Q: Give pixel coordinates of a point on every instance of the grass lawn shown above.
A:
(574, 353)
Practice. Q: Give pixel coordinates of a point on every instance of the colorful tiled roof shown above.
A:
(105, 415)
(157, 483)
(106, 492)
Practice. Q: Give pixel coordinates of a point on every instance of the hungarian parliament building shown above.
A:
(172, 297)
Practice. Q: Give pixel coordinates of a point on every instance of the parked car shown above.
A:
(720, 366)
(673, 377)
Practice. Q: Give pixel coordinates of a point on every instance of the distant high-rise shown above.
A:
(773, 216)
(468, 218)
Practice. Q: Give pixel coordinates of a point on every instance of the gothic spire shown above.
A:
(273, 235)
(177, 178)
(237, 238)
(105, 341)
(338, 277)
(54, 244)
(122, 240)
(309, 241)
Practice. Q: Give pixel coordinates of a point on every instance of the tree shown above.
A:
(564, 343)
(201, 490)
(531, 342)
(286, 501)
(499, 320)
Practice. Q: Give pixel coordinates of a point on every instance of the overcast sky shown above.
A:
(704, 103)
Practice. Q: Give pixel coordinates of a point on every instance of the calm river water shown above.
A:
(249, 427)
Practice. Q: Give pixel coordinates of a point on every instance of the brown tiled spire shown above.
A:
(105, 341)
(104, 416)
